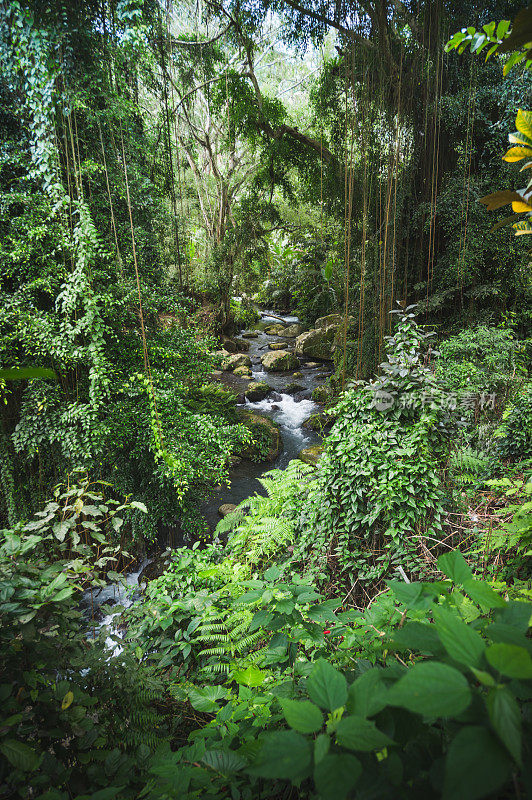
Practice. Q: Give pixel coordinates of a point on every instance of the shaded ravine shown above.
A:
(287, 411)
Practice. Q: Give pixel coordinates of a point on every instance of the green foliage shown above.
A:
(378, 491)
(514, 435)
(263, 528)
(476, 360)
(69, 725)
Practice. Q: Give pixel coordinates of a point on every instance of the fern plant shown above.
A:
(264, 527)
(223, 636)
(467, 466)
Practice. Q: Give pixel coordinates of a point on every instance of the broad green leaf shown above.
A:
(139, 505)
(302, 715)
(505, 717)
(67, 700)
(283, 754)
(367, 695)
(223, 761)
(510, 660)
(204, 699)
(523, 123)
(418, 636)
(326, 686)
(406, 593)
(322, 744)
(361, 734)
(19, 755)
(502, 28)
(431, 689)
(476, 765)
(251, 676)
(335, 775)
(483, 594)
(453, 564)
(462, 643)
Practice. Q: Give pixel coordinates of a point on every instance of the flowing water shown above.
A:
(286, 410)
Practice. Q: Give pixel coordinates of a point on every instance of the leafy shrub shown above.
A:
(379, 491)
(514, 436)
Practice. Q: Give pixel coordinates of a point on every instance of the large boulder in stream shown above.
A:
(244, 372)
(226, 508)
(267, 437)
(250, 334)
(332, 320)
(236, 360)
(311, 455)
(278, 345)
(257, 391)
(274, 330)
(291, 331)
(317, 344)
(279, 361)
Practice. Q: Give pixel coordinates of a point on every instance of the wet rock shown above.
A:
(241, 345)
(276, 396)
(297, 375)
(274, 330)
(229, 344)
(257, 391)
(333, 319)
(245, 372)
(292, 331)
(236, 360)
(275, 407)
(265, 431)
(226, 508)
(294, 388)
(311, 365)
(278, 345)
(311, 455)
(279, 361)
(318, 423)
(250, 335)
(317, 344)
(321, 394)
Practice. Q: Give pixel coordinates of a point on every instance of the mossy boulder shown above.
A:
(265, 432)
(274, 330)
(297, 375)
(318, 423)
(317, 344)
(241, 345)
(293, 388)
(257, 391)
(291, 331)
(245, 372)
(321, 394)
(279, 361)
(236, 360)
(278, 345)
(311, 455)
(250, 335)
(332, 319)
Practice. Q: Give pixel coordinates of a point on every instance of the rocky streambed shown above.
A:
(277, 370)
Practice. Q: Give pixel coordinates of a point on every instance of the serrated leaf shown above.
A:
(283, 754)
(454, 565)
(462, 643)
(431, 689)
(326, 686)
(19, 755)
(510, 660)
(476, 765)
(505, 716)
(302, 715)
(357, 733)
(336, 774)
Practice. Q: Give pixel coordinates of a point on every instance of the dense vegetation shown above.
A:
(361, 627)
